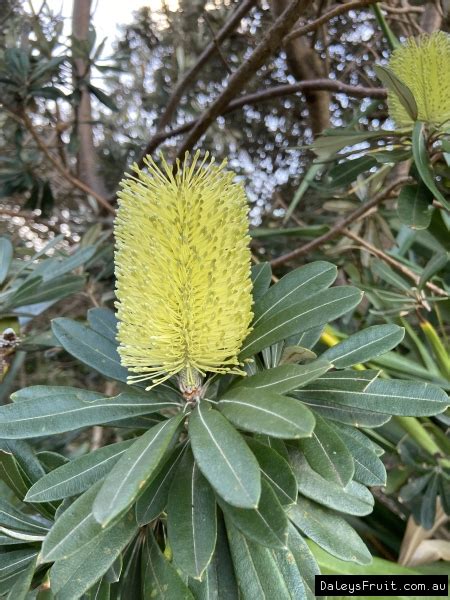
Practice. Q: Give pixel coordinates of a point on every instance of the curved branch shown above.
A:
(338, 10)
(273, 92)
(342, 224)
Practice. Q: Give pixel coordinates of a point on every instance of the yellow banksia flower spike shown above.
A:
(423, 64)
(183, 271)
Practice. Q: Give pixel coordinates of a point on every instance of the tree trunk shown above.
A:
(87, 157)
(304, 63)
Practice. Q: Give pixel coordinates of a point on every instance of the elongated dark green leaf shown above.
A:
(12, 475)
(191, 518)
(99, 591)
(266, 412)
(330, 531)
(127, 479)
(261, 277)
(266, 525)
(390, 80)
(285, 377)
(67, 412)
(347, 414)
(224, 458)
(428, 508)
(276, 471)
(154, 499)
(6, 254)
(353, 499)
(39, 291)
(294, 287)
(364, 345)
(103, 321)
(264, 572)
(369, 469)
(306, 563)
(219, 580)
(414, 206)
(21, 587)
(90, 347)
(317, 310)
(75, 528)
(15, 560)
(422, 162)
(14, 520)
(347, 171)
(73, 576)
(161, 580)
(78, 475)
(391, 396)
(327, 454)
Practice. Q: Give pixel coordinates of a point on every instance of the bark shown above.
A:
(87, 160)
(431, 19)
(304, 63)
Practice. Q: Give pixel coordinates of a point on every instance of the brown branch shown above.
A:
(394, 263)
(189, 77)
(338, 10)
(342, 224)
(62, 170)
(276, 92)
(270, 42)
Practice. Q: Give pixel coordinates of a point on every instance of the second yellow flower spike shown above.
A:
(424, 66)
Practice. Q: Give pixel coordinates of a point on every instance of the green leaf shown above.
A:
(104, 98)
(161, 581)
(13, 520)
(73, 576)
(415, 206)
(6, 254)
(395, 397)
(261, 277)
(433, 266)
(67, 412)
(428, 508)
(293, 287)
(103, 321)
(390, 81)
(364, 345)
(14, 561)
(276, 471)
(12, 475)
(353, 499)
(346, 172)
(266, 525)
(127, 479)
(154, 499)
(89, 347)
(421, 160)
(78, 475)
(75, 528)
(317, 310)
(305, 560)
(21, 587)
(369, 469)
(264, 572)
(330, 531)
(219, 580)
(327, 454)
(266, 412)
(191, 518)
(283, 378)
(224, 458)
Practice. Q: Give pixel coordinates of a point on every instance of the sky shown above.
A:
(107, 13)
